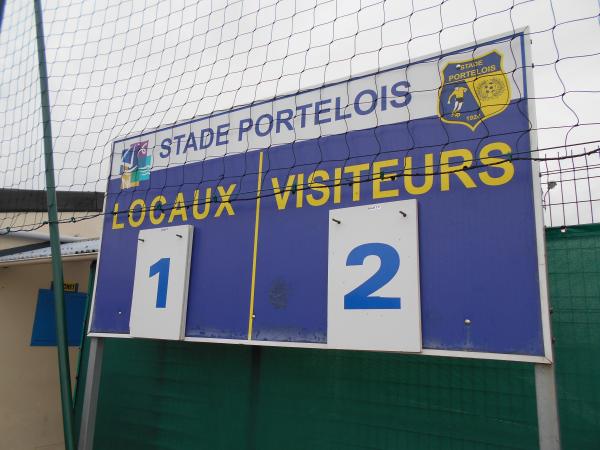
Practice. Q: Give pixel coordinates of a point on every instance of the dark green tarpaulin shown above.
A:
(574, 274)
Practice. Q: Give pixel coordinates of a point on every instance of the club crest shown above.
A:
(473, 90)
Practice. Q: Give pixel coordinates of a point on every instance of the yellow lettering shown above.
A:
(319, 187)
(115, 224)
(408, 176)
(457, 169)
(356, 170)
(197, 214)
(280, 198)
(299, 190)
(178, 208)
(156, 219)
(337, 185)
(225, 205)
(507, 167)
(137, 202)
(378, 178)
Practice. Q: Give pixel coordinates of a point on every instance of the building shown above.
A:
(29, 382)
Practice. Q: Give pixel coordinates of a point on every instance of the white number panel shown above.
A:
(161, 280)
(373, 285)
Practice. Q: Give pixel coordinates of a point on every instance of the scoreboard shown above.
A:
(393, 211)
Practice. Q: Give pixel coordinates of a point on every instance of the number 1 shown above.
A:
(161, 267)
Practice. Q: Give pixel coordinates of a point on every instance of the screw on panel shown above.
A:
(403, 213)
(178, 235)
(336, 221)
(140, 239)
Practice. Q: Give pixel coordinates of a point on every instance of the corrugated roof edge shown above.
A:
(86, 247)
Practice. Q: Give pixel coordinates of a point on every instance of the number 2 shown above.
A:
(361, 298)
(161, 267)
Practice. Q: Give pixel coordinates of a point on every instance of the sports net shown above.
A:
(117, 68)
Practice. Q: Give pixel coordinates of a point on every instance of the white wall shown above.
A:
(30, 411)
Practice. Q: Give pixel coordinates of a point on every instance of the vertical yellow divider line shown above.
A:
(255, 252)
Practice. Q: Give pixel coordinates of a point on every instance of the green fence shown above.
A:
(574, 273)
(169, 395)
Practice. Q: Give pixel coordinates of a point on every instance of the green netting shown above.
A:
(165, 395)
(160, 395)
(183, 395)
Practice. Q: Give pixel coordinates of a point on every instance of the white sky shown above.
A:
(118, 67)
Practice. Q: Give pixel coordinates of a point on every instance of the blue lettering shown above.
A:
(207, 132)
(361, 297)
(338, 110)
(222, 132)
(178, 139)
(161, 268)
(286, 121)
(166, 146)
(191, 143)
(269, 118)
(302, 109)
(373, 103)
(319, 110)
(245, 126)
(383, 98)
(397, 93)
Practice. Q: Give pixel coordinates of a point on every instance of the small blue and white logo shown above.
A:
(136, 163)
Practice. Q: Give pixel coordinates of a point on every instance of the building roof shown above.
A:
(26, 200)
(85, 247)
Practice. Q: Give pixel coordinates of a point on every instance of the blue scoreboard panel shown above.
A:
(259, 183)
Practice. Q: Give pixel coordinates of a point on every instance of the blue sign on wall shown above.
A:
(258, 182)
(44, 325)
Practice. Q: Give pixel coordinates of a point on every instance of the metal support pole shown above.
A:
(90, 293)
(90, 396)
(57, 270)
(547, 407)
